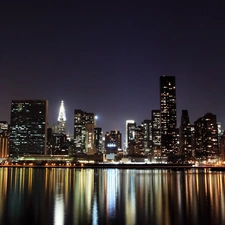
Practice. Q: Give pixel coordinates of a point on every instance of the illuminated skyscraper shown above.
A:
(113, 142)
(206, 136)
(28, 127)
(156, 133)
(147, 140)
(4, 139)
(84, 124)
(168, 116)
(98, 139)
(4, 127)
(130, 131)
(62, 119)
(4, 145)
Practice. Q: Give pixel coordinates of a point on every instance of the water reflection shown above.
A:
(110, 196)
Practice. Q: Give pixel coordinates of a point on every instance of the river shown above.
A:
(69, 196)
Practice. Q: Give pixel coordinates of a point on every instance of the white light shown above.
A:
(96, 117)
(62, 112)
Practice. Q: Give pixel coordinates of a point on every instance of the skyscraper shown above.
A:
(185, 136)
(113, 142)
(28, 127)
(84, 124)
(147, 141)
(98, 139)
(168, 115)
(4, 127)
(62, 119)
(4, 145)
(206, 136)
(130, 132)
(156, 133)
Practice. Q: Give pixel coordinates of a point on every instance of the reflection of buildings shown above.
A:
(113, 142)
(84, 125)
(28, 127)
(206, 136)
(168, 115)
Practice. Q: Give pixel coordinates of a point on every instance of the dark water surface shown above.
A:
(48, 196)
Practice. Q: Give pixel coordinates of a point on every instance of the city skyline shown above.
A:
(108, 59)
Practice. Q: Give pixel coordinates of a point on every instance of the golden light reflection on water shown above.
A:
(101, 196)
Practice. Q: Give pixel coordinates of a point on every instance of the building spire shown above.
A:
(62, 119)
(62, 112)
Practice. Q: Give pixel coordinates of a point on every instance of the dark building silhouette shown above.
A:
(139, 140)
(98, 142)
(113, 142)
(168, 116)
(147, 139)
(28, 127)
(206, 136)
(222, 146)
(56, 143)
(186, 137)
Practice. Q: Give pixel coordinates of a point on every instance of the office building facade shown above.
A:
(84, 124)
(206, 137)
(113, 142)
(28, 127)
(156, 133)
(168, 119)
(186, 137)
(98, 142)
(147, 139)
(130, 132)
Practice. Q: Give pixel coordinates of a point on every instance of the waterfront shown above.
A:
(111, 196)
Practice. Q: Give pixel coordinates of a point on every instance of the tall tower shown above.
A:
(156, 133)
(206, 136)
(185, 136)
(84, 124)
(147, 141)
(168, 116)
(28, 127)
(130, 131)
(62, 119)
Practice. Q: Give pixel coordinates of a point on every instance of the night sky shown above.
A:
(108, 58)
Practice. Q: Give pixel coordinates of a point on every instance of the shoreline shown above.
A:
(117, 166)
